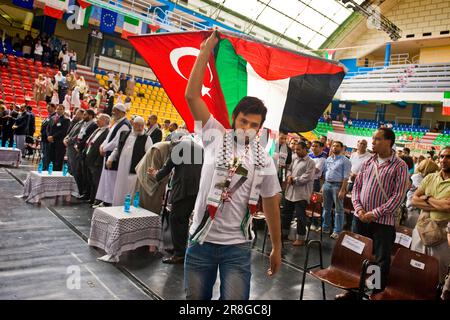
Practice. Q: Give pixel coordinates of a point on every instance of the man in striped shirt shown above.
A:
(376, 199)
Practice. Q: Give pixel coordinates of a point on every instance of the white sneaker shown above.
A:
(313, 228)
(101, 204)
(334, 235)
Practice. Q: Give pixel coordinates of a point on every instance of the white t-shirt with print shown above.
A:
(226, 228)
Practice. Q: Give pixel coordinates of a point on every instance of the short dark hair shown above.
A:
(29, 108)
(320, 143)
(336, 141)
(174, 124)
(250, 105)
(407, 150)
(167, 121)
(91, 112)
(302, 144)
(388, 134)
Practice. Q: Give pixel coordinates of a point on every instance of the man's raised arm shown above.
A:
(193, 95)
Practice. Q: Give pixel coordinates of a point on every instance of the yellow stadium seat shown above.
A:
(105, 78)
(147, 96)
(144, 86)
(98, 76)
(138, 85)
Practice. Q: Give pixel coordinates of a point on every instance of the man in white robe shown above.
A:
(130, 150)
(108, 178)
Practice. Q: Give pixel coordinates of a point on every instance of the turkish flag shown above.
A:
(171, 57)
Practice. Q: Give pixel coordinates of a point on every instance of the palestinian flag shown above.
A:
(55, 8)
(131, 27)
(83, 16)
(295, 88)
(446, 104)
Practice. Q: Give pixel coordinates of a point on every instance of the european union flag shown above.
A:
(27, 4)
(108, 21)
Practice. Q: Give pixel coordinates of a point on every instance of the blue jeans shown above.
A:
(200, 271)
(330, 196)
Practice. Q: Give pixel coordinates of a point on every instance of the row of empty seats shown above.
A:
(401, 78)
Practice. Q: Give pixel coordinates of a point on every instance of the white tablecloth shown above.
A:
(42, 185)
(115, 231)
(10, 156)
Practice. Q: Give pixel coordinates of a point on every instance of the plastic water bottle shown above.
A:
(127, 203)
(14, 145)
(136, 200)
(65, 169)
(7, 144)
(40, 167)
(50, 168)
(1, 143)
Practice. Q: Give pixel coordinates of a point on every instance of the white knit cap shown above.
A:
(120, 107)
(139, 119)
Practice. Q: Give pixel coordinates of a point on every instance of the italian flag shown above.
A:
(295, 88)
(446, 104)
(83, 16)
(131, 27)
(56, 8)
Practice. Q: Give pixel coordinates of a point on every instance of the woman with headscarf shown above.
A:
(55, 98)
(82, 85)
(75, 101)
(73, 60)
(71, 80)
(64, 69)
(67, 103)
(130, 86)
(39, 88)
(99, 97)
(110, 105)
(61, 85)
(424, 168)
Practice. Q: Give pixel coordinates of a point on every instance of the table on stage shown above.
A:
(42, 185)
(10, 156)
(115, 231)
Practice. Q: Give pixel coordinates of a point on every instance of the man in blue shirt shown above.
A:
(337, 170)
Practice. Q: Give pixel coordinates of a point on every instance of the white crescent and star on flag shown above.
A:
(178, 53)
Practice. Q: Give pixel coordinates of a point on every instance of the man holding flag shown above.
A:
(241, 171)
(292, 91)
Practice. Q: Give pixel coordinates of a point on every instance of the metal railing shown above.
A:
(144, 12)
